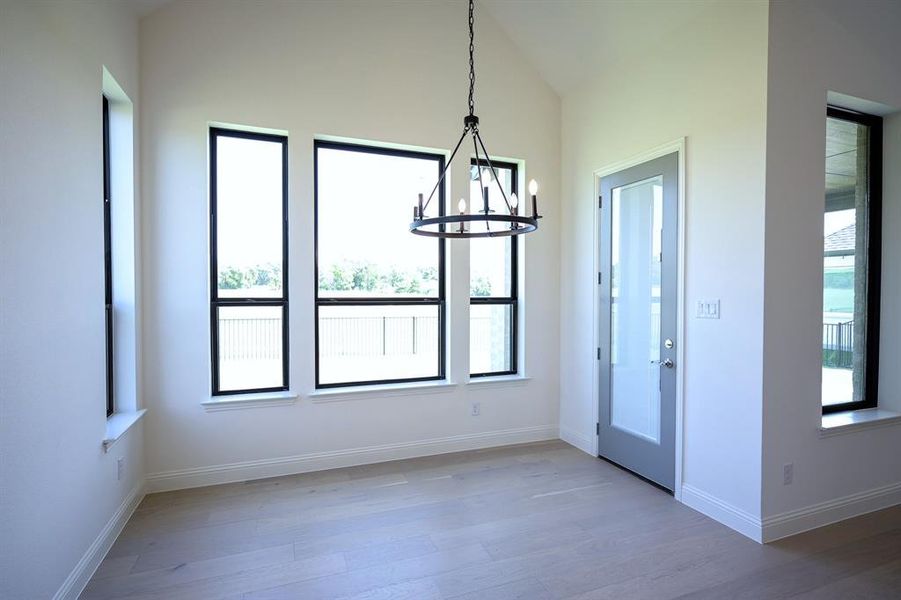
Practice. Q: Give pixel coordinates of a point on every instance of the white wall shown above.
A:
(707, 82)
(816, 47)
(58, 489)
(381, 71)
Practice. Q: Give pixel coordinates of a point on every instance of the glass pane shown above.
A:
(490, 337)
(490, 259)
(250, 347)
(637, 230)
(365, 205)
(249, 217)
(845, 229)
(377, 343)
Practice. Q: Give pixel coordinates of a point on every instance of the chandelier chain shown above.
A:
(472, 67)
(508, 224)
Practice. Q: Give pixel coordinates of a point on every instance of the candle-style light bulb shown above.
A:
(533, 190)
(461, 205)
(514, 202)
(486, 176)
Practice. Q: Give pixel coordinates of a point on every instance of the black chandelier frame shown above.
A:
(455, 226)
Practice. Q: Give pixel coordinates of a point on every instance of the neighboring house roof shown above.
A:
(841, 242)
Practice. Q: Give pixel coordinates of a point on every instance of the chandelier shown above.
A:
(482, 222)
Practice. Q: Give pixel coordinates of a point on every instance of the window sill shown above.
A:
(857, 420)
(242, 401)
(387, 390)
(117, 424)
(498, 381)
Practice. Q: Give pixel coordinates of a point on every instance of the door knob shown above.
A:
(668, 363)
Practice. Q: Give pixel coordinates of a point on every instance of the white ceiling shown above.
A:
(145, 7)
(569, 40)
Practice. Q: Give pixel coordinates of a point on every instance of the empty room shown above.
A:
(450, 299)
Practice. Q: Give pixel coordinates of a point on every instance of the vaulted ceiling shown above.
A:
(570, 41)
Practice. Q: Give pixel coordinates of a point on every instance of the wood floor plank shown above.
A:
(419, 589)
(363, 580)
(115, 566)
(883, 581)
(135, 583)
(809, 572)
(377, 554)
(532, 521)
(523, 589)
(242, 581)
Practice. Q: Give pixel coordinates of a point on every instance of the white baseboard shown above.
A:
(832, 511)
(718, 510)
(318, 461)
(577, 439)
(96, 552)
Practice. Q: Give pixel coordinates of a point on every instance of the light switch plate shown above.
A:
(708, 309)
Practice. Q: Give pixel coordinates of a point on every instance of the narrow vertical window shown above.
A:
(108, 262)
(493, 280)
(379, 289)
(249, 261)
(851, 260)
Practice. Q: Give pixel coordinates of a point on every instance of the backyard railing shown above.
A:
(377, 336)
(838, 345)
(260, 338)
(250, 339)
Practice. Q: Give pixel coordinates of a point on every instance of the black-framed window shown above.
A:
(493, 280)
(108, 262)
(248, 261)
(379, 291)
(852, 260)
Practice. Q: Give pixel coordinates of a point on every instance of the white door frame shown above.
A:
(677, 146)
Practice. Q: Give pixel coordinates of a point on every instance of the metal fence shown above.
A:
(261, 338)
(250, 339)
(838, 345)
(377, 336)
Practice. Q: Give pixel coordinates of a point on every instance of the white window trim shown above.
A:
(117, 424)
(498, 381)
(243, 401)
(857, 420)
(363, 392)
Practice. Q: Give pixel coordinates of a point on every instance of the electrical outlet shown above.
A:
(476, 409)
(788, 473)
(708, 309)
(120, 468)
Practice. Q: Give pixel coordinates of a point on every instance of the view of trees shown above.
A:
(480, 287)
(232, 278)
(347, 277)
(369, 278)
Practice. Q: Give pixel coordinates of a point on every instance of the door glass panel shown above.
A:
(637, 235)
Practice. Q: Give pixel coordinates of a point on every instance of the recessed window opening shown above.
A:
(852, 228)
(108, 263)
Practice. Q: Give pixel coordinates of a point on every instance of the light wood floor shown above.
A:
(534, 522)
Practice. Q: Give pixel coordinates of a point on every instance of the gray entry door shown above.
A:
(637, 423)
